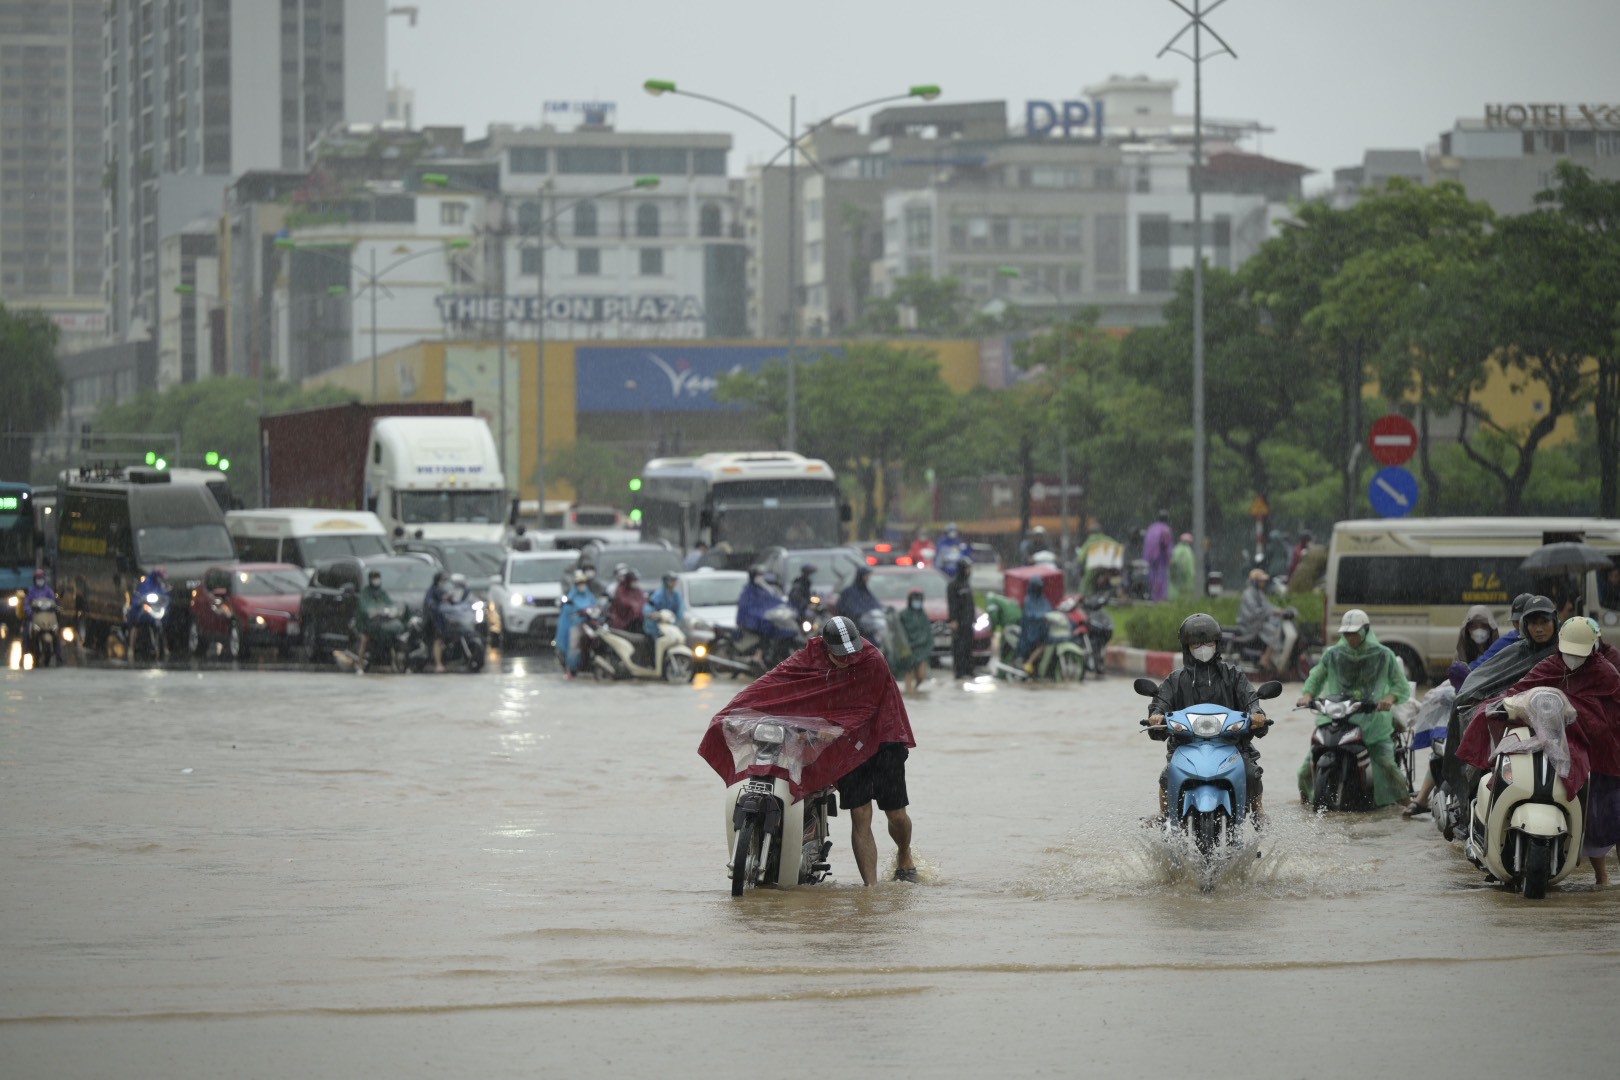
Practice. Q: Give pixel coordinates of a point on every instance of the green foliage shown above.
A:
(1154, 626)
(32, 396)
(216, 414)
(598, 473)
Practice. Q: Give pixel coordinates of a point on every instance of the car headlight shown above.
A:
(982, 622)
(771, 734)
(1205, 725)
(259, 619)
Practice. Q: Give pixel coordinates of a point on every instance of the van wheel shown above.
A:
(236, 644)
(1416, 672)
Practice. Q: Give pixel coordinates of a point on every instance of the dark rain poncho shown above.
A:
(1491, 679)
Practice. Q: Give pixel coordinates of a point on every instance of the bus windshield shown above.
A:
(16, 531)
(752, 515)
(444, 507)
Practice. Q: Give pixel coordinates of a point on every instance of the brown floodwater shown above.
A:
(217, 873)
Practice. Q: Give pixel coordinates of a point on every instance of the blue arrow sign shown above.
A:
(1394, 492)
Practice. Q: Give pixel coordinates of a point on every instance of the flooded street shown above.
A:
(220, 873)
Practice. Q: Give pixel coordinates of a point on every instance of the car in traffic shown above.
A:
(711, 601)
(332, 597)
(987, 572)
(525, 603)
(886, 553)
(481, 562)
(893, 584)
(650, 560)
(244, 606)
(834, 566)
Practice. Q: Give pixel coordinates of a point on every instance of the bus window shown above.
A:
(1458, 580)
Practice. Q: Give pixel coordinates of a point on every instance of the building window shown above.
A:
(709, 162)
(978, 232)
(529, 261)
(588, 262)
(657, 161)
(1153, 242)
(709, 220)
(1071, 279)
(647, 219)
(1000, 233)
(1106, 180)
(812, 253)
(959, 235)
(652, 262)
(585, 219)
(812, 210)
(1073, 234)
(600, 160)
(527, 159)
(1110, 244)
(1528, 140)
(919, 229)
(1144, 180)
(452, 213)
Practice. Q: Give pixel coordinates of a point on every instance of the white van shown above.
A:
(305, 537)
(1416, 578)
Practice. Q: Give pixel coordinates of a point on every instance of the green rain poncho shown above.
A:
(1370, 672)
(1181, 572)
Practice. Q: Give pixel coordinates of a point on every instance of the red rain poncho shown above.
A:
(861, 698)
(1594, 739)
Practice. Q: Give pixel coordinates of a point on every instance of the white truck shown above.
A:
(436, 477)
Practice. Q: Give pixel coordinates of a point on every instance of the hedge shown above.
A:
(1154, 626)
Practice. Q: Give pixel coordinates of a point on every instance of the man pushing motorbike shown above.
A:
(842, 678)
(1205, 679)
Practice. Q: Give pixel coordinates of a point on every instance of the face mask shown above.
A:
(1480, 635)
(1203, 653)
(1572, 662)
(916, 605)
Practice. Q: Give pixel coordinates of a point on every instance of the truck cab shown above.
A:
(436, 477)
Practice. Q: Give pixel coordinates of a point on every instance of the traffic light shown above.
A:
(160, 464)
(151, 457)
(211, 458)
(635, 484)
(224, 464)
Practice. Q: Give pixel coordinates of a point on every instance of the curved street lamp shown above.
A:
(371, 276)
(790, 139)
(445, 181)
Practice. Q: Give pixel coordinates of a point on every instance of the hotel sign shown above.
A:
(1552, 116)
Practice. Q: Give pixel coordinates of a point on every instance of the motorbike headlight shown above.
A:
(805, 626)
(1507, 771)
(770, 734)
(1205, 725)
(700, 651)
(982, 622)
(259, 619)
(67, 634)
(151, 598)
(11, 601)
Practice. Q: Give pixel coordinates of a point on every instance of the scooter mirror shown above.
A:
(1268, 690)
(1147, 687)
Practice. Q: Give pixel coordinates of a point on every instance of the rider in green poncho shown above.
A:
(1362, 668)
(1181, 569)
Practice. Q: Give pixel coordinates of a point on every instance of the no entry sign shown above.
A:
(1393, 440)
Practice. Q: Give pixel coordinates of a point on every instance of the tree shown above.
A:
(215, 414)
(33, 390)
(597, 473)
(863, 410)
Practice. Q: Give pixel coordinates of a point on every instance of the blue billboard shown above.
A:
(672, 377)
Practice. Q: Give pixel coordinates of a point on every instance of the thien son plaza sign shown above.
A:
(663, 308)
(1553, 116)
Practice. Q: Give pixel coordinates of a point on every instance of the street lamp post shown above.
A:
(1196, 14)
(790, 139)
(370, 276)
(1063, 431)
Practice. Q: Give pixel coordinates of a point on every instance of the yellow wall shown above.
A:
(1516, 402)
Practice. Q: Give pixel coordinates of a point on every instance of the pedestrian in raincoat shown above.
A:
(1156, 549)
(1181, 569)
(918, 632)
(1478, 633)
(1362, 668)
(578, 599)
(665, 598)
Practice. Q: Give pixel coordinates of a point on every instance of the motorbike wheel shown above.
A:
(743, 859)
(154, 636)
(678, 668)
(397, 659)
(236, 643)
(194, 640)
(1071, 668)
(1537, 868)
(1327, 794)
(1206, 834)
(312, 642)
(475, 658)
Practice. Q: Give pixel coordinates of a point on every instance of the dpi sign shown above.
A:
(1042, 117)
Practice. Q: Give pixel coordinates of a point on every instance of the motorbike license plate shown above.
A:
(764, 787)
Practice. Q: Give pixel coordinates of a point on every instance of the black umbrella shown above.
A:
(1566, 557)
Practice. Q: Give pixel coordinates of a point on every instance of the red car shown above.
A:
(892, 584)
(245, 605)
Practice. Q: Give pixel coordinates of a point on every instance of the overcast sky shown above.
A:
(1332, 78)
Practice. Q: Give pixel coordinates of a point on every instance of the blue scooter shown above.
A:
(1207, 789)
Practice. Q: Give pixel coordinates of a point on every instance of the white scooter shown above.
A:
(1525, 829)
(617, 655)
(775, 837)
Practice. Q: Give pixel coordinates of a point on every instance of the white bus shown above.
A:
(1417, 577)
(751, 501)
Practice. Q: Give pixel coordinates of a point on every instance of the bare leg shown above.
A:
(438, 655)
(862, 843)
(360, 660)
(900, 833)
(1600, 867)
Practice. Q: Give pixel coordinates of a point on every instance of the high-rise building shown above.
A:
(199, 91)
(50, 161)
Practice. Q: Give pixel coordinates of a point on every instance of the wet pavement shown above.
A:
(212, 870)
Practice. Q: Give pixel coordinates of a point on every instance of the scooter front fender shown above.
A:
(1539, 819)
(1207, 798)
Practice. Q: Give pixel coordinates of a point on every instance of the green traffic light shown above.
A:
(211, 458)
(635, 485)
(224, 464)
(635, 516)
(151, 457)
(160, 464)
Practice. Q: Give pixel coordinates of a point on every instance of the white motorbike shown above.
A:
(615, 654)
(43, 631)
(777, 836)
(1524, 827)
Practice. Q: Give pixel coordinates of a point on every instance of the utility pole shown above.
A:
(793, 275)
(1197, 13)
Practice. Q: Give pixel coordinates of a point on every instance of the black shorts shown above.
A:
(881, 777)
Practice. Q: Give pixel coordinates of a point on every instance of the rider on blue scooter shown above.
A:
(1206, 679)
